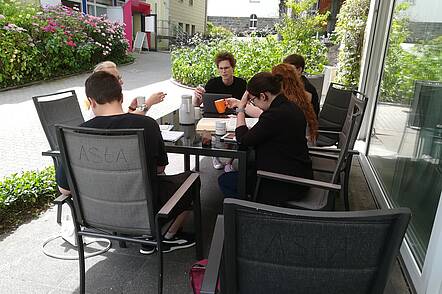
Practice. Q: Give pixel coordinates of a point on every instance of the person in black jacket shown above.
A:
(299, 63)
(279, 140)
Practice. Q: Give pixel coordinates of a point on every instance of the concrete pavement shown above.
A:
(21, 137)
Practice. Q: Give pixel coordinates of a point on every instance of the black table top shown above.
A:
(193, 139)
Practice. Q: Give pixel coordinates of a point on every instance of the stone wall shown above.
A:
(424, 31)
(241, 24)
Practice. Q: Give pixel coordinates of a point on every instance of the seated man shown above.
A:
(111, 67)
(226, 83)
(105, 96)
(299, 63)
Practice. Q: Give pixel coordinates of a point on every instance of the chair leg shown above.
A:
(160, 257)
(81, 261)
(197, 163)
(198, 225)
(346, 201)
(59, 210)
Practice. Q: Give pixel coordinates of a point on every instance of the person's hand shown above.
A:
(155, 98)
(198, 94)
(133, 105)
(244, 100)
(232, 102)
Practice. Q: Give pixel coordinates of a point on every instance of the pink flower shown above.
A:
(71, 43)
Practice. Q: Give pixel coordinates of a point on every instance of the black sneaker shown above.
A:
(179, 241)
(147, 249)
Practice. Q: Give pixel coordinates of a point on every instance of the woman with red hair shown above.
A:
(293, 89)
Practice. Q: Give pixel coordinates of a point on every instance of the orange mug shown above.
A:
(220, 105)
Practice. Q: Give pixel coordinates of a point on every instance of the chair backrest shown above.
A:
(358, 100)
(346, 135)
(335, 108)
(57, 108)
(317, 81)
(426, 105)
(109, 179)
(270, 249)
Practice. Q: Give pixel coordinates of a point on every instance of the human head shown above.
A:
(225, 62)
(297, 61)
(263, 88)
(293, 89)
(110, 67)
(103, 87)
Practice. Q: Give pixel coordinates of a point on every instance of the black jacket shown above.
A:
(280, 146)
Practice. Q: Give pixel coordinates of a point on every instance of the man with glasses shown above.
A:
(226, 83)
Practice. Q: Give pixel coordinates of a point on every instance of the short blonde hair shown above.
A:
(104, 65)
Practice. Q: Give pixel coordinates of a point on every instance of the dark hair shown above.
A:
(296, 60)
(221, 56)
(103, 87)
(263, 82)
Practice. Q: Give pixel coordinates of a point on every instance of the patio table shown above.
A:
(191, 144)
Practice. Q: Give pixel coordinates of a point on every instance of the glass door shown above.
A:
(405, 149)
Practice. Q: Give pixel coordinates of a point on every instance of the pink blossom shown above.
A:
(71, 43)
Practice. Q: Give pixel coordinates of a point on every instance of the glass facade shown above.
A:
(406, 138)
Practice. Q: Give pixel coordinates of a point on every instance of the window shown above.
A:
(253, 22)
(187, 28)
(405, 147)
(190, 2)
(193, 29)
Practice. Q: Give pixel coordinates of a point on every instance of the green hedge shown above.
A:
(28, 190)
(38, 44)
(194, 64)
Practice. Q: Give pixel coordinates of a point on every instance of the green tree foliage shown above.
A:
(194, 64)
(349, 31)
(405, 64)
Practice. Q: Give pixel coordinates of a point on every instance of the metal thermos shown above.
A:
(187, 112)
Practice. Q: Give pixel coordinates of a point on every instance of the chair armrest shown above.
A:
(331, 150)
(52, 153)
(62, 199)
(323, 155)
(172, 202)
(210, 280)
(298, 180)
(328, 132)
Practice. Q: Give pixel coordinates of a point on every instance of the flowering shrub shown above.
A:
(193, 63)
(38, 43)
(350, 28)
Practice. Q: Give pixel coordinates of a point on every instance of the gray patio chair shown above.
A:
(57, 108)
(317, 81)
(323, 190)
(333, 113)
(268, 249)
(324, 160)
(111, 190)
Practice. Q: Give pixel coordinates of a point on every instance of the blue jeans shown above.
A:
(228, 183)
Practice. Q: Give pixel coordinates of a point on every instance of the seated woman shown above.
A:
(278, 139)
(293, 89)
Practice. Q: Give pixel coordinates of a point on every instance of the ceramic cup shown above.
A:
(220, 128)
(140, 100)
(197, 113)
(220, 105)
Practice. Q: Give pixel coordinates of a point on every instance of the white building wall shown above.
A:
(243, 8)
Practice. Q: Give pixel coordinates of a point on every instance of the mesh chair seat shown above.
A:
(316, 199)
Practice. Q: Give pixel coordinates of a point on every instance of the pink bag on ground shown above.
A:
(197, 272)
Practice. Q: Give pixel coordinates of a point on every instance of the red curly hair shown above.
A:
(293, 89)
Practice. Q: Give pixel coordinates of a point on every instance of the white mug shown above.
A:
(220, 128)
(140, 100)
(197, 113)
